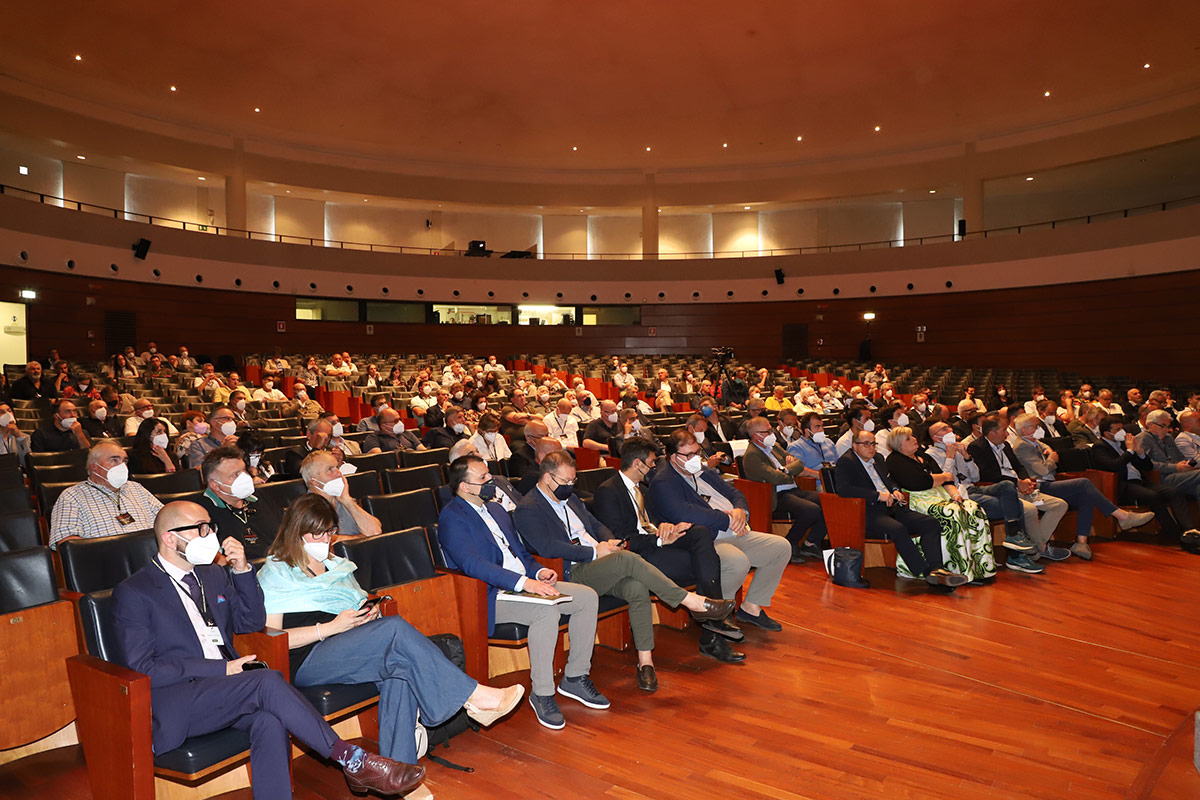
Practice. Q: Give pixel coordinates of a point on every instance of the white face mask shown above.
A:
(268, 386)
(338, 430)
(1120, 435)
(458, 395)
(949, 438)
(301, 397)
(787, 430)
(255, 459)
(318, 551)
(699, 436)
(6, 419)
(1049, 420)
(611, 419)
(334, 488)
(921, 407)
(160, 440)
(1039, 433)
(146, 413)
(202, 550)
(240, 405)
(426, 390)
(117, 476)
(819, 437)
(482, 407)
(869, 425)
(242, 486)
(66, 422)
(228, 428)
(637, 426)
(902, 420)
(489, 436)
(347, 468)
(694, 465)
(100, 413)
(768, 441)
(458, 427)
(1039, 398)
(543, 397)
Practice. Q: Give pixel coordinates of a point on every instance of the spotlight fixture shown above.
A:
(726, 144)
(257, 109)
(82, 158)
(22, 170)
(933, 191)
(1029, 178)
(799, 138)
(868, 315)
(1146, 66)
(877, 129)
(28, 294)
(172, 88)
(574, 149)
(78, 57)
(201, 178)
(1046, 93)
(647, 149)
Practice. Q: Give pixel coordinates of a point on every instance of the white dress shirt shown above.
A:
(511, 562)
(203, 631)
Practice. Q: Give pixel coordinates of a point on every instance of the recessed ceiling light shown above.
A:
(1145, 66)
(365, 200)
(172, 88)
(746, 208)
(799, 138)
(287, 191)
(877, 129)
(201, 178)
(78, 57)
(28, 294)
(726, 144)
(82, 158)
(574, 148)
(1046, 93)
(1029, 178)
(933, 191)
(22, 169)
(257, 109)
(647, 149)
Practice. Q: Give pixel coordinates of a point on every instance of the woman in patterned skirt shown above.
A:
(966, 533)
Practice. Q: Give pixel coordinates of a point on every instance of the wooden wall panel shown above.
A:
(1141, 327)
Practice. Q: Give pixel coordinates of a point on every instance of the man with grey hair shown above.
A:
(755, 407)
(318, 435)
(562, 425)
(391, 435)
(106, 503)
(1177, 470)
(1081, 495)
(321, 475)
(1188, 440)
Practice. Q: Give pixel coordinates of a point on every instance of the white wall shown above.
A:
(172, 200)
(377, 224)
(300, 218)
(501, 232)
(685, 233)
(788, 230)
(96, 185)
(735, 233)
(260, 213)
(562, 234)
(614, 235)
(45, 174)
(854, 224)
(933, 217)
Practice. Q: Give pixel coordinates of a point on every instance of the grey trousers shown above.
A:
(767, 553)
(630, 577)
(1053, 510)
(543, 633)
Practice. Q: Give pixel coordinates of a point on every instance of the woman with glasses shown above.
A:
(312, 594)
(966, 533)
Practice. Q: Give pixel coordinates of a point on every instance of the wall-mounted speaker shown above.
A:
(140, 248)
(779, 276)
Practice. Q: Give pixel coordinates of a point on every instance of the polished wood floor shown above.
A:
(1062, 685)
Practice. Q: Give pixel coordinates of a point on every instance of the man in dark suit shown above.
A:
(175, 620)
(507, 495)
(522, 464)
(319, 434)
(684, 553)
(720, 427)
(1047, 411)
(714, 457)
(1123, 456)
(61, 432)
(478, 538)
(862, 473)
(683, 490)
(34, 385)
(557, 524)
(445, 436)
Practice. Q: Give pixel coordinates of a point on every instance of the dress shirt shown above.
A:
(90, 511)
(496, 450)
(780, 487)
(966, 473)
(511, 562)
(565, 431)
(845, 442)
(639, 508)
(869, 466)
(211, 649)
(576, 530)
(716, 501)
(261, 395)
(133, 423)
(1006, 467)
(1131, 472)
(624, 380)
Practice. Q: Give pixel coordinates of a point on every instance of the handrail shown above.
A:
(134, 216)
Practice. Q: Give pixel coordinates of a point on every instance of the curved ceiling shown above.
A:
(519, 86)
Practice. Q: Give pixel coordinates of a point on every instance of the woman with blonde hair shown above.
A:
(966, 533)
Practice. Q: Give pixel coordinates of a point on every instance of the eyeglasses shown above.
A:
(864, 444)
(203, 528)
(561, 481)
(329, 534)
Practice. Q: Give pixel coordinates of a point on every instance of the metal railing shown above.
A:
(135, 216)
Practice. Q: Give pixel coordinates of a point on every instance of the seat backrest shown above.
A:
(27, 579)
(183, 480)
(404, 509)
(15, 498)
(77, 456)
(91, 565)
(827, 475)
(19, 531)
(377, 462)
(427, 476)
(586, 480)
(389, 558)
(99, 626)
(416, 458)
(57, 473)
(1074, 460)
(48, 494)
(172, 497)
(363, 484)
(273, 499)
(276, 456)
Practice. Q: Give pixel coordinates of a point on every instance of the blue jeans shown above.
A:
(1082, 496)
(410, 671)
(998, 501)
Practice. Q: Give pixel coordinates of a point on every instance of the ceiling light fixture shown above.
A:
(799, 138)
(574, 148)
(365, 200)
(82, 158)
(1145, 66)
(726, 144)
(28, 294)
(745, 208)
(172, 88)
(868, 315)
(1046, 93)
(1029, 178)
(877, 129)
(22, 169)
(647, 149)
(257, 109)
(201, 178)
(78, 57)
(933, 191)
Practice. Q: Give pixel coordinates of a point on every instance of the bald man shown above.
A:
(523, 461)
(562, 425)
(105, 504)
(175, 621)
(391, 435)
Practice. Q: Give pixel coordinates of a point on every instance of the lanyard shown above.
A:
(116, 499)
(202, 607)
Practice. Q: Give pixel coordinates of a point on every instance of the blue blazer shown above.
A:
(541, 526)
(468, 546)
(672, 499)
(444, 496)
(155, 637)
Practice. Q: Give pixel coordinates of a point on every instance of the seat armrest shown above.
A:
(470, 595)
(846, 520)
(112, 721)
(269, 645)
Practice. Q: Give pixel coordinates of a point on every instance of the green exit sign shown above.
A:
(203, 227)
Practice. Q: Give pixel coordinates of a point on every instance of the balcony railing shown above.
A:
(135, 216)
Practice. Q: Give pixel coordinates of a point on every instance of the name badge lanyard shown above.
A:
(202, 607)
(123, 517)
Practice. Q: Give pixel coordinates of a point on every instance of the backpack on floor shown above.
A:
(452, 648)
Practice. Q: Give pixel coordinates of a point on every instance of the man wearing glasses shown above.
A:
(686, 491)
(862, 473)
(221, 431)
(1177, 470)
(176, 618)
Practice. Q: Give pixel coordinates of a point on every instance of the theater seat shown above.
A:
(273, 500)
(426, 476)
(402, 510)
(377, 462)
(200, 752)
(19, 530)
(26, 579)
(183, 480)
(92, 565)
(389, 558)
(336, 699)
(515, 631)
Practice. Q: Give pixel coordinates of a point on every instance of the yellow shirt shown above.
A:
(778, 405)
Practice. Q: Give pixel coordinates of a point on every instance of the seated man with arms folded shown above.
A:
(452, 430)
(478, 538)
(1123, 455)
(813, 447)
(516, 414)
(391, 435)
(60, 433)
(558, 525)
(321, 474)
(684, 553)
(862, 473)
(197, 681)
(766, 461)
(313, 596)
(302, 405)
(98, 423)
(488, 441)
(1081, 494)
(105, 504)
(684, 491)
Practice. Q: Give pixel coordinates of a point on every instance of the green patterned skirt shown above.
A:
(966, 534)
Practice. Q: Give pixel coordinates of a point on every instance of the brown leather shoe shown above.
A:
(384, 776)
(647, 678)
(713, 610)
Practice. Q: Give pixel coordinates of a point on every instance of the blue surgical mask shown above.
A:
(706, 411)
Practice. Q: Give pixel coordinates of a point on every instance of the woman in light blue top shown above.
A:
(313, 595)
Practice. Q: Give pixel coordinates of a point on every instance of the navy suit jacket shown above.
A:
(502, 483)
(468, 546)
(672, 499)
(155, 637)
(851, 478)
(541, 526)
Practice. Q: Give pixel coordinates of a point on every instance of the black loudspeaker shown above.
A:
(478, 248)
(141, 248)
(518, 254)
(779, 276)
(962, 228)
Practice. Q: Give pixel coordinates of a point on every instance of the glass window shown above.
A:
(328, 310)
(546, 315)
(474, 315)
(612, 315)
(396, 312)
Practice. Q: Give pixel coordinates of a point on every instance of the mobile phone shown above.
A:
(371, 602)
(251, 665)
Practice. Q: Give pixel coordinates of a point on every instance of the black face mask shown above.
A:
(587, 402)
(487, 491)
(563, 491)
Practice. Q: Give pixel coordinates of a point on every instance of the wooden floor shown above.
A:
(1055, 686)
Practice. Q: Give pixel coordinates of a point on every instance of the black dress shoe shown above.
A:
(719, 649)
(713, 610)
(809, 550)
(760, 619)
(647, 679)
(797, 555)
(725, 628)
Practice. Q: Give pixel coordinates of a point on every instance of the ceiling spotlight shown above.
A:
(1145, 66)
(365, 200)
(868, 315)
(933, 191)
(746, 208)
(172, 88)
(78, 57)
(574, 148)
(647, 149)
(877, 129)
(201, 178)
(799, 138)
(257, 109)
(1029, 178)
(22, 169)
(1046, 93)
(82, 158)
(287, 191)
(725, 145)
(28, 294)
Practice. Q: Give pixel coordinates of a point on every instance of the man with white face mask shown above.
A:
(101, 422)
(684, 491)
(105, 504)
(222, 432)
(603, 429)
(269, 392)
(858, 419)
(814, 448)
(61, 432)
(321, 475)
(378, 403)
(143, 410)
(713, 456)
(562, 425)
(11, 438)
(454, 429)
(766, 461)
(349, 447)
(229, 499)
